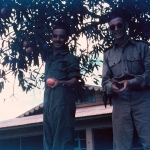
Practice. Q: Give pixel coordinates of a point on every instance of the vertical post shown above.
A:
(89, 139)
(20, 143)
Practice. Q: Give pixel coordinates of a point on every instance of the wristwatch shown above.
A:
(62, 83)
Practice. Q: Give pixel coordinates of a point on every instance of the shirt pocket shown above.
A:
(135, 63)
(115, 65)
(59, 70)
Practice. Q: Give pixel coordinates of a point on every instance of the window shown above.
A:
(90, 97)
(32, 143)
(80, 140)
(23, 143)
(8, 144)
(103, 139)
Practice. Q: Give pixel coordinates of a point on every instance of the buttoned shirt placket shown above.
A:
(124, 60)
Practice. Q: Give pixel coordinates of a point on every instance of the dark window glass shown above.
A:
(83, 143)
(10, 144)
(76, 144)
(90, 97)
(82, 134)
(80, 140)
(103, 139)
(32, 143)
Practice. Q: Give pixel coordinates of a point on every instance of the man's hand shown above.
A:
(56, 83)
(114, 87)
(125, 84)
(69, 83)
(119, 86)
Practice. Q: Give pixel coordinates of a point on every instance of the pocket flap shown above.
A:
(112, 62)
(133, 57)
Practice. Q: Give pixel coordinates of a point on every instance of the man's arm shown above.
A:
(73, 72)
(143, 80)
(69, 83)
(106, 77)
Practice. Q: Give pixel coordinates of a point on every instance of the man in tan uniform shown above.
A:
(126, 76)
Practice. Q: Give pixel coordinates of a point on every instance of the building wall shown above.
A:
(20, 138)
(22, 143)
(92, 132)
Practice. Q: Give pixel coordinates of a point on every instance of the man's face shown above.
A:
(118, 28)
(58, 38)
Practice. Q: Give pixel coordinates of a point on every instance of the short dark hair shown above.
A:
(61, 25)
(115, 14)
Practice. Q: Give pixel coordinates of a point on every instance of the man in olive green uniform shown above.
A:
(59, 100)
(126, 76)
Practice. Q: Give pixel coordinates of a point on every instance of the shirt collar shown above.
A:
(64, 51)
(129, 40)
(61, 52)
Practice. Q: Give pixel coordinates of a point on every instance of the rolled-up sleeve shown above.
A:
(73, 68)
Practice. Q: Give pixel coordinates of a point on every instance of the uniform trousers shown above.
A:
(59, 120)
(131, 108)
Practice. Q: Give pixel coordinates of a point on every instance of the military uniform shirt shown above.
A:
(131, 62)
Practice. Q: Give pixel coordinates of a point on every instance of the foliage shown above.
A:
(31, 21)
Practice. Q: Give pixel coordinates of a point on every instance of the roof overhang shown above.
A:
(39, 109)
(81, 113)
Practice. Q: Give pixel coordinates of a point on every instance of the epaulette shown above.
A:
(144, 41)
(108, 48)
